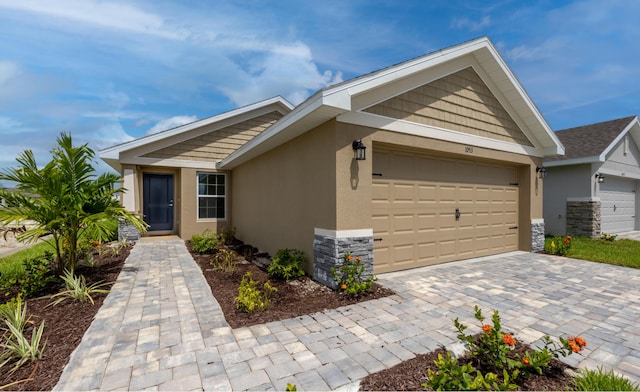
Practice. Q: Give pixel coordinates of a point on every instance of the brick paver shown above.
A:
(161, 329)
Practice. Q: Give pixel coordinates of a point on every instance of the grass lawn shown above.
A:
(11, 266)
(621, 252)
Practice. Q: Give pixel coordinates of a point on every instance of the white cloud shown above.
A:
(106, 14)
(169, 123)
(466, 23)
(108, 135)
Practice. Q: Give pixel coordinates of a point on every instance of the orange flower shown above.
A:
(569, 237)
(566, 240)
(358, 259)
(508, 339)
(350, 258)
(343, 287)
(525, 361)
(574, 347)
(486, 328)
(581, 342)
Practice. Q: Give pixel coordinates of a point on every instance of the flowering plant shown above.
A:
(608, 237)
(558, 245)
(349, 277)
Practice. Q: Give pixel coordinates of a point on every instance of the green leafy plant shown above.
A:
(250, 297)
(558, 246)
(349, 277)
(73, 203)
(287, 264)
(76, 289)
(291, 387)
(602, 380)
(537, 361)
(37, 275)
(14, 345)
(228, 235)
(451, 376)
(608, 237)
(207, 242)
(223, 260)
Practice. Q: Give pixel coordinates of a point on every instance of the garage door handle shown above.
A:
(457, 214)
(377, 239)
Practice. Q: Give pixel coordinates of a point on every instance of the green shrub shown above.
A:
(14, 345)
(558, 246)
(206, 242)
(223, 260)
(601, 380)
(228, 235)
(287, 264)
(349, 277)
(37, 275)
(250, 298)
(76, 289)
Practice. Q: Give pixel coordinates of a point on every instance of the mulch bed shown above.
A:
(65, 324)
(294, 298)
(410, 375)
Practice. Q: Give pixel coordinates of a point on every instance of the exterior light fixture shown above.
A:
(542, 172)
(359, 150)
(599, 178)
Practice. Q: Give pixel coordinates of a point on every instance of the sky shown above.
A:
(109, 71)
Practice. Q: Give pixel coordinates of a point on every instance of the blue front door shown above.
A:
(157, 200)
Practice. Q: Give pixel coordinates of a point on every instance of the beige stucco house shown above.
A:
(453, 144)
(592, 188)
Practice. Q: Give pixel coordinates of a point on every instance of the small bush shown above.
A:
(206, 242)
(608, 237)
(601, 380)
(77, 289)
(349, 277)
(37, 275)
(228, 235)
(287, 264)
(250, 298)
(558, 246)
(223, 260)
(14, 345)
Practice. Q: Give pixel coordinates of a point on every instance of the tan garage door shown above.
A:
(429, 210)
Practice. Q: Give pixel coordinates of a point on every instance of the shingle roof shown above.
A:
(590, 140)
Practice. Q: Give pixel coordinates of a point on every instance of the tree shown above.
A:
(71, 202)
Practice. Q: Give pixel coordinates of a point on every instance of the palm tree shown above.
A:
(71, 201)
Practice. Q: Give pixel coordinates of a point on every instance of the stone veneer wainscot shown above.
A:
(329, 248)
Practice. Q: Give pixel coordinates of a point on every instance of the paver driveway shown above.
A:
(161, 329)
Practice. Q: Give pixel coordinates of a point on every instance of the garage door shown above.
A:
(618, 203)
(429, 210)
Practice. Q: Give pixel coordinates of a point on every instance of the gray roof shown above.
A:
(590, 140)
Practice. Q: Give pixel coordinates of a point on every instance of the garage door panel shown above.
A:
(618, 205)
(420, 205)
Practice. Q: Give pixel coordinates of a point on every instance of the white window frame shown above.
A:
(198, 196)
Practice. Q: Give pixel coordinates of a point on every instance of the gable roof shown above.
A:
(593, 142)
(350, 97)
(112, 155)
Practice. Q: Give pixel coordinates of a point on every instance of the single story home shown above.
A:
(431, 160)
(592, 189)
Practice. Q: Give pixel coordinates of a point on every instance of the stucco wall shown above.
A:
(282, 195)
(561, 183)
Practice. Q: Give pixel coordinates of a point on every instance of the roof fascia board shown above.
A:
(617, 140)
(265, 141)
(168, 163)
(427, 131)
(276, 103)
(574, 161)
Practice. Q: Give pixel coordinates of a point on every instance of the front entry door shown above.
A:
(158, 201)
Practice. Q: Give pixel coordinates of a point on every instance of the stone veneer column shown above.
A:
(583, 217)
(127, 231)
(537, 235)
(330, 246)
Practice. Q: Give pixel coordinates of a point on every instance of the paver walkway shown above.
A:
(161, 329)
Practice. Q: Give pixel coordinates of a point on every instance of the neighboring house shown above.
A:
(592, 189)
(452, 147)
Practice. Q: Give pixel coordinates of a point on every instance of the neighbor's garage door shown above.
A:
(415, 203)
(618, 203)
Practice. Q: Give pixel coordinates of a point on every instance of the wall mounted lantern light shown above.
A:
(542, 172)
(359, 150)
(599, 178)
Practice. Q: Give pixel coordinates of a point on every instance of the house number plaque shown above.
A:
(468, 150)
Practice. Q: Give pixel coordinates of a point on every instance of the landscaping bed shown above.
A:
(295, 298)
(65, 324)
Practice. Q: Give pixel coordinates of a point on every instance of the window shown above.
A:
(211, 196)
